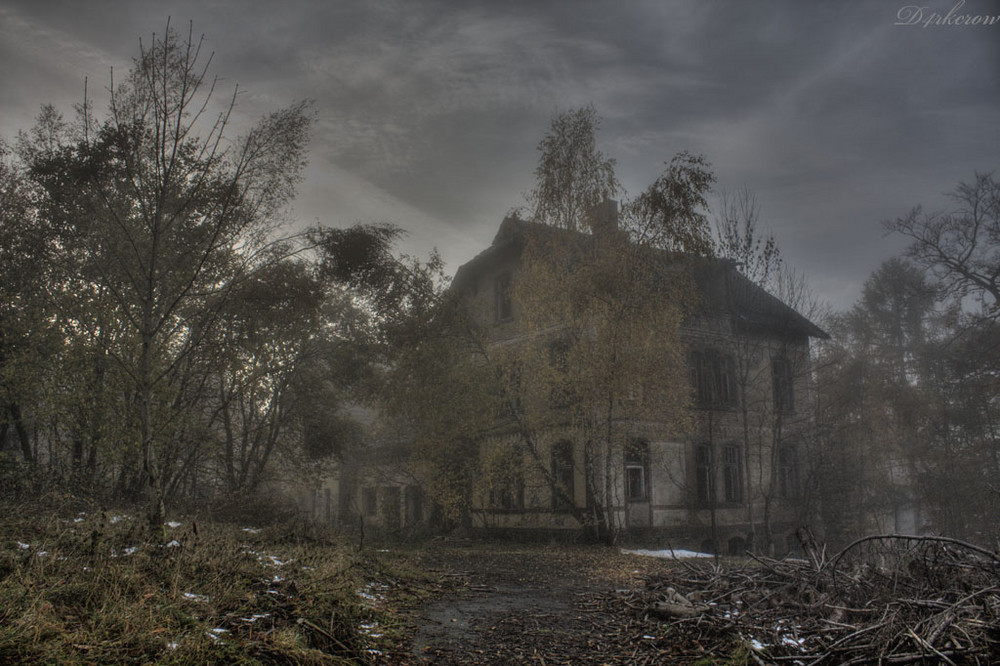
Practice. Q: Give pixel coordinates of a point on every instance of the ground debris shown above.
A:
(883, 599)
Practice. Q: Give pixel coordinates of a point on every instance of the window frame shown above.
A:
(564, 476)
(788, 472)
(732, 473)
(782, 384)
(713, 378)
(704, 474)
(369, 502)
(636, 461)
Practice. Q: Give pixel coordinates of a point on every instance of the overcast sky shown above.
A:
(429, 113)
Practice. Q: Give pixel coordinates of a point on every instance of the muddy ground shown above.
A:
(509, 604)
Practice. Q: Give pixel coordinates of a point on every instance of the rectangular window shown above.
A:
(788, 475)
(560, 394)
(563, 474)
(705, 477)
(713, 378)
(369, 503)
(389, 509)
(510, 390)
(508, 494)
(504, 307)
(637, 472)
(732, 472)
(781, 376)
(413, 502)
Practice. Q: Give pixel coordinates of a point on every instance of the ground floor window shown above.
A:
(389, 510)
(413, 501)
(788, 481)
(563, 473)
(369, 502)
(732, 471)
(637, 471)
(508, 494)
(704, 474)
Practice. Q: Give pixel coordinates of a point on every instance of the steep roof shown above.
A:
(722, 286)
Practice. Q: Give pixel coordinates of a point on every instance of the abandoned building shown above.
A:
(736, 470)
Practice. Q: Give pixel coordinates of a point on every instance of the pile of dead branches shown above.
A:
(883, 599)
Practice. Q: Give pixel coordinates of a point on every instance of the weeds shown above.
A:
(85, 586)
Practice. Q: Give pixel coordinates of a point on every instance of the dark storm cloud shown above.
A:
(428, 113)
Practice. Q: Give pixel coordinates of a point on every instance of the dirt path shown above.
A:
(516, 605)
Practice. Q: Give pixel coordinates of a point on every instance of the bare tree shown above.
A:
(961, 248)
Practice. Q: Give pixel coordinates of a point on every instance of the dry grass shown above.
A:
(79, 585)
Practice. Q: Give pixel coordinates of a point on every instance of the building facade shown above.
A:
(708, 449)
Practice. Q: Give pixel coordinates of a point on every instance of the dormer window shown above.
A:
(504, 307)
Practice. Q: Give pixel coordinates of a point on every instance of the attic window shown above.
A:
(503, 304)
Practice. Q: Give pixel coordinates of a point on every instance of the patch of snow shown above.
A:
(256, 616)
(667, 554)
(173, 645)
(371, 593)
(23, 546)
(174, 523)
(173, 544)
(117, 519)
(368, 629)
(130, 550)
(196, 597)
(251, 530)
(267, 560)
(78, 520)
(216, 634)
(42, 553)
